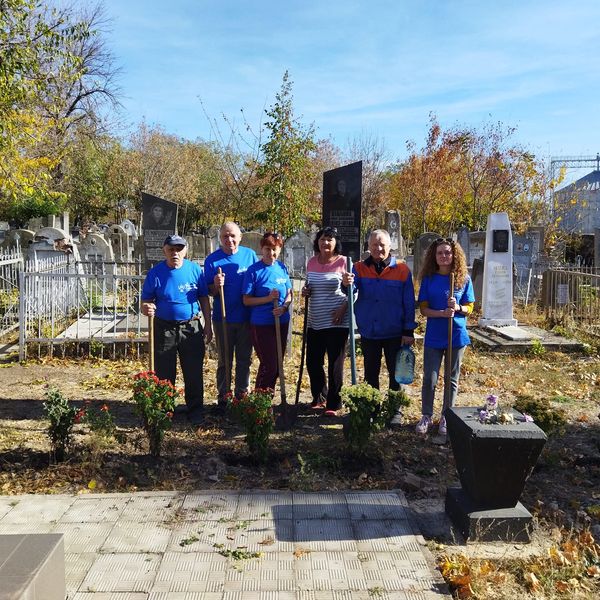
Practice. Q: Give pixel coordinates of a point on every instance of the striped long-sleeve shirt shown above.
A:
(326, 294)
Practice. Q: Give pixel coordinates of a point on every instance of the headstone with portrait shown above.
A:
(342, 198)
(497, 293)
(159, 220)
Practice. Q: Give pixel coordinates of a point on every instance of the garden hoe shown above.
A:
(285, 419)
(225, 340)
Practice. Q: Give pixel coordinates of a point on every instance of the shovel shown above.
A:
(448, 362)
(303, 353)
(351, 324)
(225, 340)
(285, 419)
(151, 343)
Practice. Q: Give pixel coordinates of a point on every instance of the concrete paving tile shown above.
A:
(200, 506)
(137, 537)
(109, 596)
(7, 528)
(96, 509)
(265, 505)
(7, 503)
(32, 509)
(319, 506)
(76, 568)
(83, 537)
(122, 573)
(152, 508)
(324, 534)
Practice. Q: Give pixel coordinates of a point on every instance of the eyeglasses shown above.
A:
(272, 234)
(443, 241)
(329, 231)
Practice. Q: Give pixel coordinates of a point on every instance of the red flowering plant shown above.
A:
(155, 402)
(99, 420)
(255, 414)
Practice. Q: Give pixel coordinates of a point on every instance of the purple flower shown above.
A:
(484, 415)
(492, 401)
(527, 418)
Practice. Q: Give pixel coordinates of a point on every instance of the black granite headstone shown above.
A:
(342, 197)
(159, 219)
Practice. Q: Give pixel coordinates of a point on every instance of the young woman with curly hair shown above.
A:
(438, 303)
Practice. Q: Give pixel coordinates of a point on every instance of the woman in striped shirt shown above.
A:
(328, 327)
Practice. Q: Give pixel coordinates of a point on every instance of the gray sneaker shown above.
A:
(396, 420)
(442, 428)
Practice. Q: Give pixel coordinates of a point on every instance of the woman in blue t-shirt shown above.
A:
(267, 281)
(438, 304)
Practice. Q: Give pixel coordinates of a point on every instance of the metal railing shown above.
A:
(72, 309)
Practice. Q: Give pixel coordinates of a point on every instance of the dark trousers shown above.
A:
(333, 342)
(265, 346)
(240, 342)
(186, 340)
(371, 350)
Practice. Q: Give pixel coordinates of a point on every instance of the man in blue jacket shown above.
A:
(385, 307)
(174, 292)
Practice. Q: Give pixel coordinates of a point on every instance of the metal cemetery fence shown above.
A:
(572, 295)
(11, 263)
(74, 308)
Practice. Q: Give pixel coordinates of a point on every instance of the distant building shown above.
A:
(579, 204)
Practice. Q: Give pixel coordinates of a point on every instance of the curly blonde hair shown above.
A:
(459, 262)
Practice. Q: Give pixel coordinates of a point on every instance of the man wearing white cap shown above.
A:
(174, 292)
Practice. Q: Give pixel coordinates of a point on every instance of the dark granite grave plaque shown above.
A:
(159, 219)
(493, 462)
(342, 197)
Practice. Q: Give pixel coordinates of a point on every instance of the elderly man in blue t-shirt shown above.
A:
(233, 260)
(174, 292)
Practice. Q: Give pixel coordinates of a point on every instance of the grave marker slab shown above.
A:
(159, 219)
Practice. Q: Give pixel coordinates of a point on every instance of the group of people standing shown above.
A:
(257, 293)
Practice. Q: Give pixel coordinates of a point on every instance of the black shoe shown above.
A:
(181, 409)
(196, 417)
(220, 409)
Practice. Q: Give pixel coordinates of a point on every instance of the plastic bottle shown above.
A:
(405, 365)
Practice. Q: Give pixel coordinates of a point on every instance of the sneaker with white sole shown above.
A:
(396, 420)
(442, 428)
(423, 425)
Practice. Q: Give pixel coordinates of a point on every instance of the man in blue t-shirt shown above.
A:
(174, 292)
(233, 260)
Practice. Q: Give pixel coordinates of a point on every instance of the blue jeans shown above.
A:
(432, 361)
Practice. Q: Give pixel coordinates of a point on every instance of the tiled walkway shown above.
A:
(233, 545)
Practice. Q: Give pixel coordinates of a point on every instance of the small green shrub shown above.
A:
(537, 348)
(62, 417)
(393, 402)
(364, 406)
(100, 421)
(550, 420)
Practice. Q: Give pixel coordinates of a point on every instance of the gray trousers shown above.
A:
(239, 342)
(432, 362)
(186, 340)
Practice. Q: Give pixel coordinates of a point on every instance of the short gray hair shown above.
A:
(382, 233)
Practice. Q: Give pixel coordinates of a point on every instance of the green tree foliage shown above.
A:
(285, 168)
(35, 46)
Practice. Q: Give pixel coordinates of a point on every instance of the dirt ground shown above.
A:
(562, 492)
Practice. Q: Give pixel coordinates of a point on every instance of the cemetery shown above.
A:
(81, 332)
(182, 252)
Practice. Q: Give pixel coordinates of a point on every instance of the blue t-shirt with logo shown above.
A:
(175, 291)
(234, 267)
(435, 290)
(259, 280)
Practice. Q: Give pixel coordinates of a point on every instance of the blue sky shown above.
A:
(358, 67)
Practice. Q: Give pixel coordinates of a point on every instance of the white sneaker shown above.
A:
(423, 425)
(442, 429)
(396, 420)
